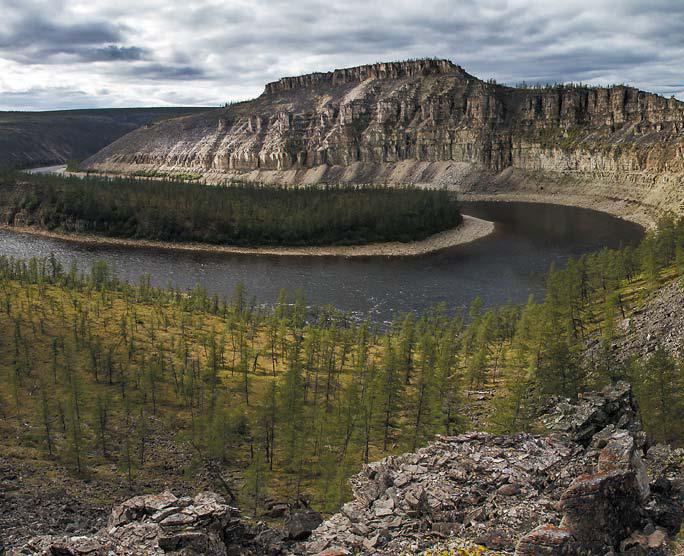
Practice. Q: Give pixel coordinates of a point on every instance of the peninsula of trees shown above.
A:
(240, 215)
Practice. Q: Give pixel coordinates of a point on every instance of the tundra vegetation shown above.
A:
(121, 383)
(243, 214)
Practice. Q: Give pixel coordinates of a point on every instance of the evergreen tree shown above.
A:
(658, 386)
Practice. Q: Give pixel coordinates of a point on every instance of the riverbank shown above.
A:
(521, 188)
(470, 230)
(630, 211)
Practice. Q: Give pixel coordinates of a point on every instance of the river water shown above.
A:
(506, 266)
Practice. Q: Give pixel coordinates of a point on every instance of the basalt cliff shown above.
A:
(429, 122)
(593, 486)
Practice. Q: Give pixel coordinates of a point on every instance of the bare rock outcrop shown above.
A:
(154, 525)
(581, 422)
(592, 487)
(588, 489)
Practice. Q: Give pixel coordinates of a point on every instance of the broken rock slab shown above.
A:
(582, 490)
(299, 524)
(156, 525)
(594, 411)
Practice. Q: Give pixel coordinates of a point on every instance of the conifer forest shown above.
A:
(125, 382)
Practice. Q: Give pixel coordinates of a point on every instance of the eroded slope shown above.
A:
(429, 122)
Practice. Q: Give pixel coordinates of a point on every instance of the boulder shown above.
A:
(601, 509)
(300, 524)
(156, 525)
(620, 454)
(547, 540)
(593, 412)
(277, 510)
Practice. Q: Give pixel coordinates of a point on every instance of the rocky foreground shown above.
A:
(593, 486)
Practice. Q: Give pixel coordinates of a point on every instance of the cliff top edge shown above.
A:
(380, 70)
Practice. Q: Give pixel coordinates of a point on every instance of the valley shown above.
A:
(506, 266)
(391, 309)
(131, 387)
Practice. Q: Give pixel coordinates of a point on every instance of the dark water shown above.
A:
(508, 265)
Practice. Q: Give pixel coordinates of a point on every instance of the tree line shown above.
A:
(242, 214)
(289, 396)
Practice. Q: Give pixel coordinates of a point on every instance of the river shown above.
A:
(506, 266)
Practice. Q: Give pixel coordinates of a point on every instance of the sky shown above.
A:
(58, 54)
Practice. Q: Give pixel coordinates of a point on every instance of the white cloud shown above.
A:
(206, 52)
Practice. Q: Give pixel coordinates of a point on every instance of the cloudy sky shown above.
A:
(96, 53)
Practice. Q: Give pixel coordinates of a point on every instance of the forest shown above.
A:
(243, 214)
(129, 385)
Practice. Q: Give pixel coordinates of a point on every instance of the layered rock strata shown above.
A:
(429, 122)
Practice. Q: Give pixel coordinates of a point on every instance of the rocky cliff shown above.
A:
(594, 486)
(430, 122)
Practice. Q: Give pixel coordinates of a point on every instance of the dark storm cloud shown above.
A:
(36, 40)
(34, 30)
(164, 72)
(215, 51)
(113, 53)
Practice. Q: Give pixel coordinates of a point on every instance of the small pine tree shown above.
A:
(257, 479)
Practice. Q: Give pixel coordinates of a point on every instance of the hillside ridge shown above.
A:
(29, 139)
(431, 123)
(594, 486)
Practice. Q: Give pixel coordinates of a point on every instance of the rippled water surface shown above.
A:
(508, 265)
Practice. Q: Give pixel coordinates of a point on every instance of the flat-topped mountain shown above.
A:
(429, 121)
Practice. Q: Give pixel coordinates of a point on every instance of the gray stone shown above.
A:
(496, 490)
(158, 524)
(299, 524)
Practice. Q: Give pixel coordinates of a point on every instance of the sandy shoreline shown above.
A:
(626, 210)
(470, 230)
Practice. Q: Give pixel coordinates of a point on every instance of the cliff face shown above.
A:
(427, 121)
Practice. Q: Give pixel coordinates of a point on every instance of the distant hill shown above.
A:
(43, 138)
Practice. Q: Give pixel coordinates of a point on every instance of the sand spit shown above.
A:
(470, 230)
